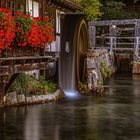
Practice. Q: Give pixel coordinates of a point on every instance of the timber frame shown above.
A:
(65, 5)
(25, 60)
(115, 22)
(70, 4)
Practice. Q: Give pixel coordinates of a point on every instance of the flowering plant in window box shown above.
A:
(23, 31)
(35, 31)
(7, 29)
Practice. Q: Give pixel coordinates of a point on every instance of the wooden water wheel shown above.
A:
(75, 34)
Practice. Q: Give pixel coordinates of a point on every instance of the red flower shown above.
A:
(7, 28)
(17, 13)
(33, 32)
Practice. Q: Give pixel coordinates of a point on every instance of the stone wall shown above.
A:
(94, 59)
(136, 67)
(12, 99)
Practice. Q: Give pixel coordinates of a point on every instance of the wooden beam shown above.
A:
(114, 22)
(26, 57)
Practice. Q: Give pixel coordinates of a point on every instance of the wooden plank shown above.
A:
(26, 57)
(107, 37)
(114, 22)
(126, 49)
(121, 43)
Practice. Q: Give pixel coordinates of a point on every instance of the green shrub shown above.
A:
(20, 84)
(83, 87)
(49, 86)
(25, 84)
(91, 9)
(105, 70)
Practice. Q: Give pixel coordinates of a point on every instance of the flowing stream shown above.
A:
(114, 116)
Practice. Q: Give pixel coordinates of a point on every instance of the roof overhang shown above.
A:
(67, 3)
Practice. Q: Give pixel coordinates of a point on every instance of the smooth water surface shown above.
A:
(115, 116)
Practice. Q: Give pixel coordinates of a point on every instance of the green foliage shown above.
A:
(115, 9)
(19, 85)
(36, 88)
(48, 85)
(100, 82)
(106, 9)
(105, 70)
(91, 9)
(25, 84)
(82, 87)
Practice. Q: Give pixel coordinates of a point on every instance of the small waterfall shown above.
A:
(67, 74)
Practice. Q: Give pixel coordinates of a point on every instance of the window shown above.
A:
(12, 4)
(32, 7)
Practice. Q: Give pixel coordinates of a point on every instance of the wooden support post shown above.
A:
(92, 36)
(137, 40)
(137, 47)
(2, 88)
(112, 35)
(111, 45)
(1, 92)
(41, 7)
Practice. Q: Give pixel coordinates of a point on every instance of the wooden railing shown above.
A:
(126, 43)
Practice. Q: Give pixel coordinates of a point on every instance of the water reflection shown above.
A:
(32, 124)
(115, 116)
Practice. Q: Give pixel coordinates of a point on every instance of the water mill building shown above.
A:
(70, 31)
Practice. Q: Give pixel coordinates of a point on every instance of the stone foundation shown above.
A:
(136, 68)
(12, 99)
(94, 74)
